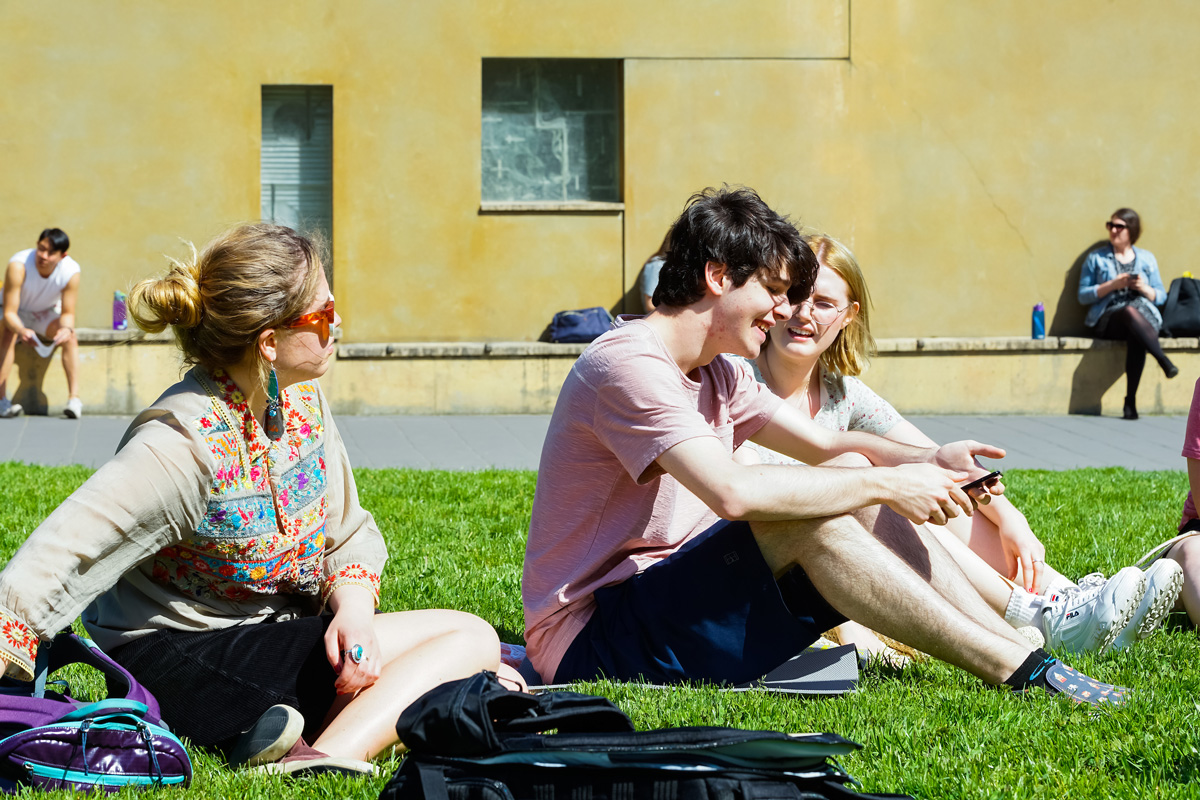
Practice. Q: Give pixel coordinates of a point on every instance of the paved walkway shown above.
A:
(515, 442)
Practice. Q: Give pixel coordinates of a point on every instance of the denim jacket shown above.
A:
(1101, 266)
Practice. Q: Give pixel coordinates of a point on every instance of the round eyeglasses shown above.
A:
(822, 311)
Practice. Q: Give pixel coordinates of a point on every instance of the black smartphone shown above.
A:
(979, 483)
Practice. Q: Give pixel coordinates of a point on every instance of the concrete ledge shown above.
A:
(88, 336)
(460, 350)
(954, 345)
(123, 371)
(1015, 344)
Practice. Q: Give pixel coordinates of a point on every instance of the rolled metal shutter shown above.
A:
(297, 158)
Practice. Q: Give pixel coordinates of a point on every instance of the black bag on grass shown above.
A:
(1181, 314)
(474, 740)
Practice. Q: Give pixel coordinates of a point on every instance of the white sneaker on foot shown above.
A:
(1090, 617)
(9, 409)
(1164, 581)
(74, 409)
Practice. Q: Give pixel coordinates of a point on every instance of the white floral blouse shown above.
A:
(847, 404)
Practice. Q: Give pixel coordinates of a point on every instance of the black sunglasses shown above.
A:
(1115, 226)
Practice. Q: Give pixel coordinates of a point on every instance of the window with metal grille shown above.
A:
(551, 131)
(297, 158)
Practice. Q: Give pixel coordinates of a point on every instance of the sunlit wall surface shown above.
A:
(491, 162)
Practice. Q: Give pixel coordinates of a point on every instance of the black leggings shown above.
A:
(1140, 337)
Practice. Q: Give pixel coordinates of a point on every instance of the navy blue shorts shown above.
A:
(711, 611)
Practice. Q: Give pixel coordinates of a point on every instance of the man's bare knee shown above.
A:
(785, 544)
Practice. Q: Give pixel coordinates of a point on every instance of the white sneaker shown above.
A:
(1164, 581)
(74, 409)
(9, 409)
(1090, 617)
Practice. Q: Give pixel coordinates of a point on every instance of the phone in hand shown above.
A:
(979, 483)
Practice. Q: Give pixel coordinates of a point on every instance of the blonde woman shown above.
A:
(813, 361)
(222, 555)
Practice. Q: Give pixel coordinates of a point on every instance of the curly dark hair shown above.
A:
(734, 227)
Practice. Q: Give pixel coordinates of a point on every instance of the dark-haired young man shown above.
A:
(41, 286)
(653, 553)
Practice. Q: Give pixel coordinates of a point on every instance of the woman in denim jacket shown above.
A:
(1122, 285)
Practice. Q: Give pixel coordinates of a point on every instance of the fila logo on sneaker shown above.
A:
(1072, 615)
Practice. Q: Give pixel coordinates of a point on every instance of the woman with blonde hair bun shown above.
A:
(222, 555)
(812, 361)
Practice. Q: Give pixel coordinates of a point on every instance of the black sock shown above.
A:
(1032, 672)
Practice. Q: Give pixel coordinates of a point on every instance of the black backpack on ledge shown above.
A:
(473, 739)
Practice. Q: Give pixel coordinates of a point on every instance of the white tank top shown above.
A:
(43, 294)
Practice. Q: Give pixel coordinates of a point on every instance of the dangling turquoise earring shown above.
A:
(274, 415)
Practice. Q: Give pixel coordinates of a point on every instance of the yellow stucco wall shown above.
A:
(142, 125)
(941, 376)
(967, 152)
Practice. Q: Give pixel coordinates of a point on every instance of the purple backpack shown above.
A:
(54, 741)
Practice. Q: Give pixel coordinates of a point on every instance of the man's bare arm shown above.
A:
(793, 434)
(66, 320)
(14, 279)
(920, 492)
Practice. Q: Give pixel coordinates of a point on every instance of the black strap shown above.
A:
(1171, 304)
(41, 668)
(433, 782)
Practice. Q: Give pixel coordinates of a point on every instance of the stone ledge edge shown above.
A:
(449, 350)
(459, 350)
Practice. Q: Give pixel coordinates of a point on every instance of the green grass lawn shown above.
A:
(456, 541)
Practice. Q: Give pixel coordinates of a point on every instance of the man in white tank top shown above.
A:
(41, 286)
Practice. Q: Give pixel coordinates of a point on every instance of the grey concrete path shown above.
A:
(515, 442)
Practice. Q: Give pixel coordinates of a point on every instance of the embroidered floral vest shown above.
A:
(264, 530)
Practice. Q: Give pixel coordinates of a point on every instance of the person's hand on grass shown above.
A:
(352, 628)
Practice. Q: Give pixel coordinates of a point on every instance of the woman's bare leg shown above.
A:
(1187, 553)
(993, 587)
(982, 536)
(421, 649)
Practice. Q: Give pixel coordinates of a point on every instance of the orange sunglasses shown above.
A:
(323, 319)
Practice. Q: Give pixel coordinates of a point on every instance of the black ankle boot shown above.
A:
(1170, 370)
(1130, 408)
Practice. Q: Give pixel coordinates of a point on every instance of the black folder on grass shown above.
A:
(813, 672)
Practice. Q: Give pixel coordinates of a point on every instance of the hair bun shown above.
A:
(173, 299)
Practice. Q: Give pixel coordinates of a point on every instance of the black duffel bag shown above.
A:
(1181, 314)
(474, 740)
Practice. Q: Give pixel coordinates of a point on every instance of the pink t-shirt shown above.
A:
(1191, 449)
(604, 510)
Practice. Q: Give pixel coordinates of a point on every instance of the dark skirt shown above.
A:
(213, 685)
(1139, 303)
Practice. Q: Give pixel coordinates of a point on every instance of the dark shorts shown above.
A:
(711, 611)
(213, 685)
